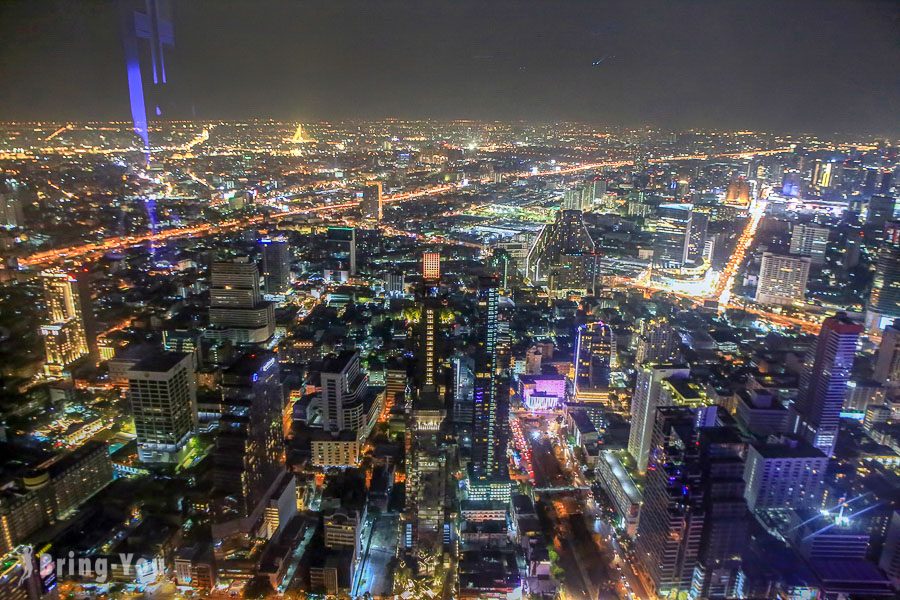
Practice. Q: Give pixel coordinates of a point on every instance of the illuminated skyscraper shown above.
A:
(237, 310)
(881, 209)
(656, 342)
(672, 235)
(67, 335)
(738, 192)
(823, 383)
(595, 357)
(276, 266)
(249, 452)
(564, 255)
(429, 359)
(163, 399)
(811, 241)
(884, 301)
(782, 279)
(431, 266)
(344, 393)
(488, 469)
(644, 403)
(372, 203)
(694, 521)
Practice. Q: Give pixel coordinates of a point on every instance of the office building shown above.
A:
(249, 451)
(488, 475)
(887, 363)
(163, 400)
(237, 310)
(811, 241)
(823, 383)
(11, 213)
(694, 522)
(672, 235)
(431, 266)
(657, 343)
(738, 192)
(372, 202)
(70, 333)
(276, 266)
(644, 404)
(463, 389)
(564, 256)
(890, 553)
(344, 393)
(785, 473)
(882, 209)
(884, 301)
(340, 245)
(595, 357)
(782, 279)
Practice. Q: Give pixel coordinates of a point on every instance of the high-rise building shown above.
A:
(884, 301)
(887, 364)
(644, 404)
(694, 521)
(237, 310)
(595, 357)
(372, 203)
(276, 266)
(11, 213)
(811, 241)
(823, 383)
(824, 173)
(738, 192)
(488, 469)
(344, 393)
(429, 358)
(564, 256)
(657, 342)
(249, 452)
(70, 334)
(340, 243)
(697, 237)
(672, 235)
(163, 400)
(881, 209)
(786, 473)
(431, 266)
(463, 389)
(890, 554)
(578, 198)
(782, 279)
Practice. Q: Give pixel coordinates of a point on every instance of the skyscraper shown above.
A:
(823, 383)
(69, 334)
(344, 391)
(237, 310)
(11, 213)
(276, 266)
(644, 403)
(595, 357)
(738, 192)
(163, 400)
(811, 241)
(249, 452)
(881, 209)
(564, 256)
(884, 301)
(887, 364)
(488, 464)
(782, 279)
(340, 244)
(431, 266)
(656, 342)
(372, 203)
(429, 358)
(672, 235)
(694, 522)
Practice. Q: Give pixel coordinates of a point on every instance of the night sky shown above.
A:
(782, 65)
